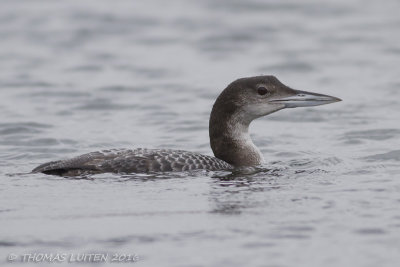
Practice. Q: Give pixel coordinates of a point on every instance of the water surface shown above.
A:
(82, 76)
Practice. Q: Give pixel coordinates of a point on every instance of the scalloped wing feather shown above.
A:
(138, 160)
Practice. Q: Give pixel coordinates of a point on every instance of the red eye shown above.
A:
(262, 91)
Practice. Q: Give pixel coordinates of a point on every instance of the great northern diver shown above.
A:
(236, 107)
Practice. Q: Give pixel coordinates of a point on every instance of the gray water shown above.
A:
(80, 76)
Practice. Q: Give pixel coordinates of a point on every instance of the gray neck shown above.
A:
(229, 136)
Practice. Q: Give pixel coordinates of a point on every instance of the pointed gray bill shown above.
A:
(305, 99)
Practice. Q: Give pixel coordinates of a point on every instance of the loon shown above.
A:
(236, 107)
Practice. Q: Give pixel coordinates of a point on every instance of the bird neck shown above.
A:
(229, 136)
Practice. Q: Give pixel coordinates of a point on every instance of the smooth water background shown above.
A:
(79, 76)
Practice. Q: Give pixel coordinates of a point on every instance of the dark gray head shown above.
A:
(243, 101)
(258, 96)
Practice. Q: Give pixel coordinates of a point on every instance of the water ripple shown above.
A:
(391, 155)
(22, 128)
(372, 134)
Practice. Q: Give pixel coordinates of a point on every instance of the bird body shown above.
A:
(243, 101)
(139, 160)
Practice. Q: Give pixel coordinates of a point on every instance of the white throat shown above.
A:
(238, 130)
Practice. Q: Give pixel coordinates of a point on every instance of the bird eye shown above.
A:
(262, 91)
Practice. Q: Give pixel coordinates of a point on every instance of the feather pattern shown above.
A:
(133, 161)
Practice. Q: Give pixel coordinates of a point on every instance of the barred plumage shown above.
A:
(138, 160)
